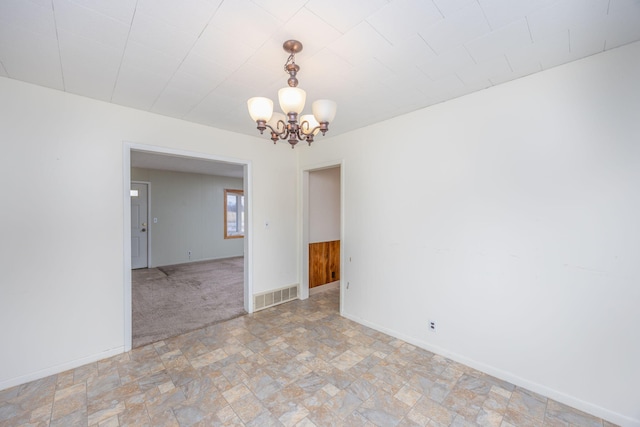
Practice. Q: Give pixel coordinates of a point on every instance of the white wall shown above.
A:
(520, 230)
(190, 212)
(324, 205)
(62, 219)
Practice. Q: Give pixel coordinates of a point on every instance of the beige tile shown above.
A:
(298, 364)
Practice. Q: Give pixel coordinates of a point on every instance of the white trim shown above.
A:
(587, 407)
(126, 287)
(303, 208)
(53, 370)
(127, 147)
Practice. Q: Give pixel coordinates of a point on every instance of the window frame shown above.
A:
(239, 194)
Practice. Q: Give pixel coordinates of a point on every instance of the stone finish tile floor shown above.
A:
(297, 364)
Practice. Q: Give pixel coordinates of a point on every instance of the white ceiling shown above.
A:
(200, 60)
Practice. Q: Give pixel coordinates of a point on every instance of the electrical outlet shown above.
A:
(432, 325)
(189, 253)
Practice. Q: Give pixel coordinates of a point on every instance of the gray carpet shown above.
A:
(172, 300)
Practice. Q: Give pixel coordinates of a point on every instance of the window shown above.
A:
(233, 214)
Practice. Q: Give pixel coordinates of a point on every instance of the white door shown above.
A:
(139, 225)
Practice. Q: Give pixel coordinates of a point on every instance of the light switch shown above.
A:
(155, 220)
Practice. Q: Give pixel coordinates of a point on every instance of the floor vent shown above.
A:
(271, 298)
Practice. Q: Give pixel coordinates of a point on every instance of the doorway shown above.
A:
(322, 232)
(191, 162)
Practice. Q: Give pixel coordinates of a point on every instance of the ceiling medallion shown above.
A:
(286, 126)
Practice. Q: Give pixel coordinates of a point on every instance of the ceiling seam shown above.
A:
(5, 70)
(485, 16)
(126, 43)
(55, 25)
(526, 19)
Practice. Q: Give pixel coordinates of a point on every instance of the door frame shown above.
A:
(148, 184)
(304, 232)
(127, 148)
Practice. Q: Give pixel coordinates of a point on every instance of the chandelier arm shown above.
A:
(310, 132)
(281, 133)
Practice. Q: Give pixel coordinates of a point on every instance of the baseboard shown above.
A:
(275, 297)
(53, 370)
(324, 288)
(579, 404)
(195, 261)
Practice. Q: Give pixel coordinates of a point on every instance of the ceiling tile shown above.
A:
(585, 40)
(138, 88)
(562, 15)
(359, 44)
(235, 92)
(121, 10)
(447, 63)
(452, 7)
(309, 29)
(256, 78)
(545, 53)
(368, 73)
(192, 85)
(438, 90)
(623, 22)
(91, 25)
(500, 13)
(402, 19)
(175, 102)
(245, 22)
(281, 9)
(213, 46)
(212, 109)
(29, 16)
(459, 28)
(190, 17)
(411, 52)
(30, 57)
(344, 15)
(497, 67)
(141, 57)
(157, 35)
(498, 41)
(323, 74)
(204, 69)
(90, 68)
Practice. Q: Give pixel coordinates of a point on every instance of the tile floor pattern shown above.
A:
(297, 364)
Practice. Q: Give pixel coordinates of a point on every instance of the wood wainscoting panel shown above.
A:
(324, 263)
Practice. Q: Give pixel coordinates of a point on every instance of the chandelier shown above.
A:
(286, 126)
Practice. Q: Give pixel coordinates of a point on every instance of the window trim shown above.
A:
(226, 193)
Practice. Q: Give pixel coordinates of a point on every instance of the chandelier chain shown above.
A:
(290, 60)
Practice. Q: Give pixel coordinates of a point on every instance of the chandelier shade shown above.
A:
(260, 108)
(292, 100)
(324, 110)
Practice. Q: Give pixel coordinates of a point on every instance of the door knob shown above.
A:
(143, 230)
(144, 224)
